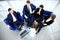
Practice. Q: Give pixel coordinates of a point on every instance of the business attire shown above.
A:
(27, 11)
(15, 20)
(39, 18)
(46, 16)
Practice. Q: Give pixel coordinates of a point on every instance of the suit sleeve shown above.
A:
(24, 11)
(20, 17)
(34, 7)
(8, 19)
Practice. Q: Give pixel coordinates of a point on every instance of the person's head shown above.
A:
(41, 6)
(28, 2)
(10, 10)
(53, 17)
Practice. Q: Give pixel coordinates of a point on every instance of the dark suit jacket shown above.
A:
(26, 10)
(37, 16)
(16, 14)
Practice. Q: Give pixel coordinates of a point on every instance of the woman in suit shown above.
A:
(38, 18)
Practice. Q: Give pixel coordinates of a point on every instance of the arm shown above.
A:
(8, 18)
(34, 8)
(20, 17)
(24, 13)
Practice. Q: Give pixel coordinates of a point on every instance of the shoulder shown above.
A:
(25, 5)
(18, 12)
(37, 8)
(31, 4)
(8, 14)
(42, 9)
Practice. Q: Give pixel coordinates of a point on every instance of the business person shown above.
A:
(49, 15)
(28, 11)
(14, 19)
(38, 18)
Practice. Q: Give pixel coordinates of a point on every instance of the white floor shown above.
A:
(51, 32)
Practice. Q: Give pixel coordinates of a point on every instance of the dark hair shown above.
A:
(9, 9)
(28, 1)
(41, 6)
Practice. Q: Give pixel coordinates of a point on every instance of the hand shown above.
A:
(38, 13)
(25, 16)
(33, 11)
(35, 22)
(43, 21)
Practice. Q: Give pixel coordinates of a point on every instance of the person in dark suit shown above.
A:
(14, 18)
(48, 15)
(38, 18)
(28, 11)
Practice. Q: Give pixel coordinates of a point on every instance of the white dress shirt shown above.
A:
(29, 7)
(39, 11)
(14, 18)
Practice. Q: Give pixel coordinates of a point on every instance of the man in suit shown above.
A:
(28, 11)
(14, 19)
